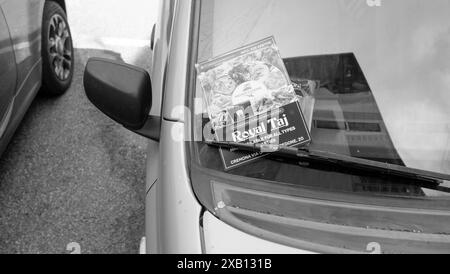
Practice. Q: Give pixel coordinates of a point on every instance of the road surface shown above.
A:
(71, 176)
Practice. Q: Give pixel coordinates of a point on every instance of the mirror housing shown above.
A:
(121, 91)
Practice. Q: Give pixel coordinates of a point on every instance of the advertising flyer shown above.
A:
(250, 99)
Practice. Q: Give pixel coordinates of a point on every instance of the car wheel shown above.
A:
(57, 50)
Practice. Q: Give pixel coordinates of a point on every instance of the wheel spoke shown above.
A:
(66, 73)
(56, 30)
(67, 62)
(53, 56)
(53, 25)
(59, 30)
(61, 69)
(63, 25)
(51, 42)
(64, 36)
(57, 68)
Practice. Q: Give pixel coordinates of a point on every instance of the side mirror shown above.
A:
(121, 91)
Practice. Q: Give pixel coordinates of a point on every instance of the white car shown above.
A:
(375, 178)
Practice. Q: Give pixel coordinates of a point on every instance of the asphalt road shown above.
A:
(70, 174)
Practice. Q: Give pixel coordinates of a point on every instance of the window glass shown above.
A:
(384, 77)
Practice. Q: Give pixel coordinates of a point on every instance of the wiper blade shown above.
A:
(433, 178)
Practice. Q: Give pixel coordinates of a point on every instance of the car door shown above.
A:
(7, 73)
(24, 18)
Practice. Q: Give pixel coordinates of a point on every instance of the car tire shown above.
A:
(57, 50)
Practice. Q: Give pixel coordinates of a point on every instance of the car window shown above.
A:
(384, 81)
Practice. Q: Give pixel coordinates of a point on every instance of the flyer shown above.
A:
(250, 99)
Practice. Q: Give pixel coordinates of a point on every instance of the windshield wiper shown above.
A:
(430, 179)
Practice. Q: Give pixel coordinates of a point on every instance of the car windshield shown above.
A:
(383, 82)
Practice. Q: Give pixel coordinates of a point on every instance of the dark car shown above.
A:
(36, 53)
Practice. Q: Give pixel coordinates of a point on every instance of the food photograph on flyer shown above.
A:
(250, 99)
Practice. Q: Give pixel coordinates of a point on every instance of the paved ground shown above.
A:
(70, 174)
